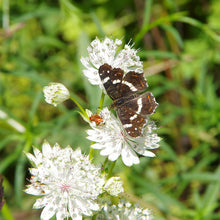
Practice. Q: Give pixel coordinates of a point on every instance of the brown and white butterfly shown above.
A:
(131, 104)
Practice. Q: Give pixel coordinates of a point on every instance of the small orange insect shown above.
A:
(96, 118)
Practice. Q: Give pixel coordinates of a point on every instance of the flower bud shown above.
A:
(55, 93)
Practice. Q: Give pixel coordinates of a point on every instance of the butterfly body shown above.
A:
(121, 101)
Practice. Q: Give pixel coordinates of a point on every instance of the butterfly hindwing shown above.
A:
(130, 119)
(143, 104)
(133, 113)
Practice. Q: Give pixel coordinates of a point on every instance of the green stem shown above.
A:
(79, 106)
(104, 164)
(91, 152)
(101, 101)
(111, 169)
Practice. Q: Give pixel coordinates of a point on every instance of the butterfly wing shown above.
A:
(132, 83)
(132, 108)
(133, 114)
(133, 123)
(144, 104)
(111, 79)
(116, 86)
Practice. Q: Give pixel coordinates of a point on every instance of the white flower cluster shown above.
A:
(110, 136)
(107, 51)
(67, 180)
(113, 141)
(114, 186)
(69, 187)
(124, 211)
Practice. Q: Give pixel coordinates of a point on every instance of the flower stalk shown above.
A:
(79, 106)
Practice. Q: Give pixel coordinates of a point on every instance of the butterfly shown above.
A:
(132, 104)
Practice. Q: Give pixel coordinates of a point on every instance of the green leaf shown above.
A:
(174, 33)
(158, 22)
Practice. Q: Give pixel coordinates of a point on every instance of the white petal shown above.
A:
(74, 212)
(38, 204)
(37, 153)
(114, 156)
(41, 202)
(108, 149)
(94, 206)
(97, 146)
(33, 191)
(148, 154)
(61, 215)
(31, 158)
(48, 212)
(129, 157)
(84, 206)
(46, 148)
(85, 62)
(117, 148)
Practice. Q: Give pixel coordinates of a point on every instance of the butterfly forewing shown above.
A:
(132, 83)
(111, 79)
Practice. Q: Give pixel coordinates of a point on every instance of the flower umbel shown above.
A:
(67, 180)
(55, 93)
(114, 186)
(124, 211)
(107, 51)
(113, 141)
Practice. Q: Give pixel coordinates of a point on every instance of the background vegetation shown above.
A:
(179, 41)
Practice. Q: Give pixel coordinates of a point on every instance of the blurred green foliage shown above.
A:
(179, 41)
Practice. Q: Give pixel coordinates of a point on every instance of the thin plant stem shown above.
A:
(91, 152)
(79, 106)
(104, 164)
(101, 101)
(111, 169)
